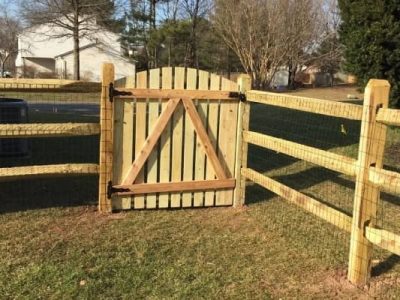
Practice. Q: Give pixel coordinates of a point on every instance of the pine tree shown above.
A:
(370, 34)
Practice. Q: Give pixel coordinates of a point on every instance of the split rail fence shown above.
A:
(176, 137)
(367, 170)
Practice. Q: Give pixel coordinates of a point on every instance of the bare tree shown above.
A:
(69, 19)
(328, 55)
(194, 10)
(304, 23)
(255, 31)
(269, 34)
(9, 29)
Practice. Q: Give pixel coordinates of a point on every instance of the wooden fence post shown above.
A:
(244, 83)
(106, 138)
(371, 149)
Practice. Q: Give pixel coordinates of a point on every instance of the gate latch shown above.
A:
(112, 190)
(112, 92)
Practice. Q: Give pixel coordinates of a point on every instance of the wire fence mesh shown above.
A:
(341, 186)
(48, 104)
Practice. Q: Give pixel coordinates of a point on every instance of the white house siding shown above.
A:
(38, 49)
(91, 60)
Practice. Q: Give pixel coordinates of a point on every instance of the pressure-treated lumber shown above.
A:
(203, 137)
(32, 172)
(139, 202)
(212, 127)
(177, 93)
(329, 160)
(384, 239)
(151, 188)
(388, 116)
(389, 181)
(48, 130)
(313, 206)
(150, 142)
(227, 140)
(372, 143)
(165, 143)
(152, 161)
(106, 138)
(311, 105)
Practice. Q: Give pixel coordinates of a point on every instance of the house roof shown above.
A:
(80, 49)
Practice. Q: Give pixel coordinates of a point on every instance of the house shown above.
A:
(47, 51)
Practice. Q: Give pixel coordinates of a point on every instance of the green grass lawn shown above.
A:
(55, 245)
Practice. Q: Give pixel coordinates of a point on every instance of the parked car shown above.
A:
(6, 74)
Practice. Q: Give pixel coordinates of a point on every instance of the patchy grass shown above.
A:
(336, 93)
(55, 245)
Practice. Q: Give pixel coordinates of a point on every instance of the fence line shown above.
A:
(38, 130)
(311, 105)
(367, 169)
(42, 171)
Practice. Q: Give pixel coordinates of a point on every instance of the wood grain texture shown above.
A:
(106, 139)
(165, 140)
(326, 159)
(388, 116)
(140, 133)
(151, 188)
(372, 143)
(311, 105)
(44, 171)
(39, 130)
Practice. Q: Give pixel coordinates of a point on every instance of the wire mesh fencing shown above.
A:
(327, 158)
(48, 147)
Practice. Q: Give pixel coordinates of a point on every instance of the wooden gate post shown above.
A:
(244, 83)
(371, 148)
(106, 138)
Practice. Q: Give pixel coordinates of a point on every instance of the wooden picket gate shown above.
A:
(169, 140)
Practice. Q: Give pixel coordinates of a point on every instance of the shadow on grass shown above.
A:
(386, 265)
(21, 195)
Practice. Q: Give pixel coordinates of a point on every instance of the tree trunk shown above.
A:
(2, 63)
(76, 56)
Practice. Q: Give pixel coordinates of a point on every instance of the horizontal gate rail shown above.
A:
(311, 205)
(168, 94)
(29, 172)
(152, 188)
(311, 105)
(388, 116)
(36, 130)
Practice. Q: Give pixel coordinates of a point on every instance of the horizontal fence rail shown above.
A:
(311, 105)
(29, 172)
(329, 160)
(313, 206)
(367, 170)
(388, 116)
(48, 130)
(384, 239)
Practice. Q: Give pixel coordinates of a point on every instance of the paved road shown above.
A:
(80, 109)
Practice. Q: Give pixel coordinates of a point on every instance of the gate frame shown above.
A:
(127, 187)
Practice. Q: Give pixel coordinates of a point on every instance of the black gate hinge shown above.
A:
(112, 190)
(112, 92)
(240, 96)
